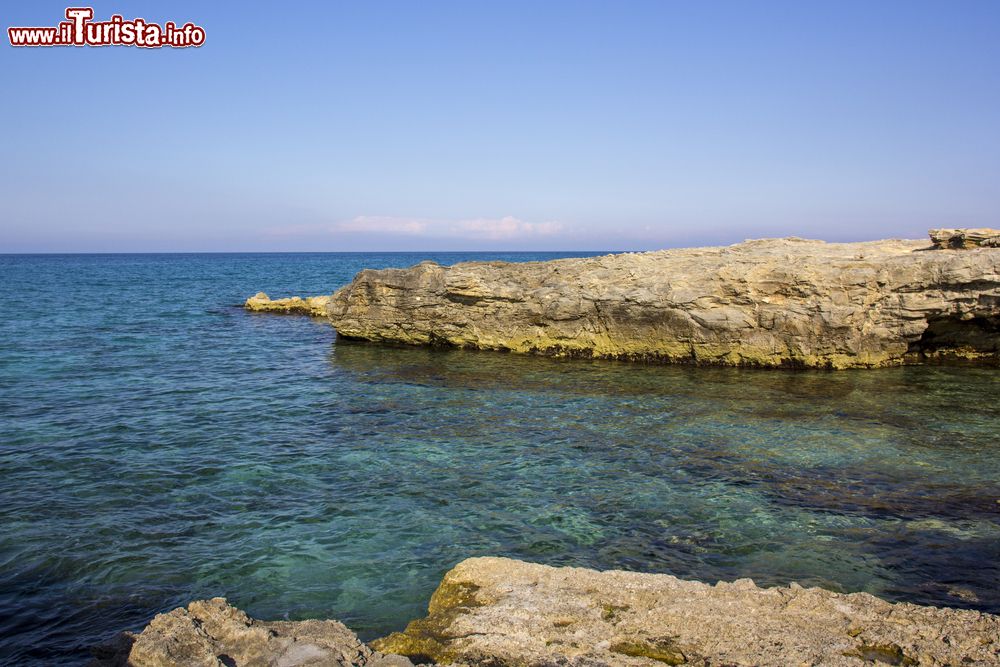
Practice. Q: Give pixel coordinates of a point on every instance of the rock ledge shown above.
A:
(497, 611)
(774, 302)
(314, 306)
(501, 612)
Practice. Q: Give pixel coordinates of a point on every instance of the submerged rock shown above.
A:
(296, 305)
(211, 633)
(497, 611)
(776, 302)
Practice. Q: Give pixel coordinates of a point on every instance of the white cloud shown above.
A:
(384, 225)
(507, 227)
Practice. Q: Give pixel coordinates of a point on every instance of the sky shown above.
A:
(580, 125)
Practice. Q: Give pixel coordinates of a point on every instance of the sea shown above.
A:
(158, 445)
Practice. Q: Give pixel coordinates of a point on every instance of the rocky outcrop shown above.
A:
(501, 612)
(777, 302)
(211, 633)
(963, 239)
(496, 611)
(314, 306)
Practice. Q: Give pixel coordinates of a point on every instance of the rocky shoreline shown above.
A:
(502, 612)
(768, 303)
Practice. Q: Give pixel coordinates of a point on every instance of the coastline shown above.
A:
(921, 305)
(501, 334)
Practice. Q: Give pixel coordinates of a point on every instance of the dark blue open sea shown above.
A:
(158, 444)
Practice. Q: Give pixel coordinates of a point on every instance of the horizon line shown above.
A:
(296, 252)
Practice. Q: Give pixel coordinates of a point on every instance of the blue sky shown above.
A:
(503, 125)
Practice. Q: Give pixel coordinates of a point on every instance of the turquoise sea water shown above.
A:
(158, 444)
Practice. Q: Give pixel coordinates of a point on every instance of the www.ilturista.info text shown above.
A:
(80, 30)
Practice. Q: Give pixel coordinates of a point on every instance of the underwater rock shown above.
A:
(775, 302)
(211, 633)
(296, 305)
(497, 611)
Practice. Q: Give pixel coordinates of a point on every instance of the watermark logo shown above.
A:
(79, 29)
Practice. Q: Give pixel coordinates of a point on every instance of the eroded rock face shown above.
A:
(211, 633)
(963, 239)
(777, 302)
(497, 611)
(314, 306)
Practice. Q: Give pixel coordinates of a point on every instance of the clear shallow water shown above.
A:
(158, 444)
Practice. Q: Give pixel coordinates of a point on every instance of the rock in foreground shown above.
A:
(777, 302)
(500, 612)
(211, 633)
(496, 611)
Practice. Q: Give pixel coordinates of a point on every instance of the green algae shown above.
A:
(662, 650)
(611, 612)
(425, 639)
(890, 654)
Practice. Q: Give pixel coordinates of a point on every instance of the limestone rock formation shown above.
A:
(211, 633)
(497, 611)
(776, 302)
(960, 239)
(296, 305)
